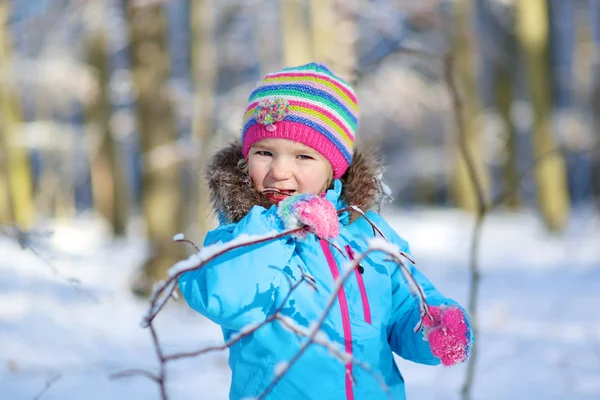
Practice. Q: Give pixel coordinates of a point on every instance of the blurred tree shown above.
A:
(268, 44)
(565, 45)
(109, 186)
(550, 173)
(510, 177)
(498, 62)
(162, 201)
(6, 214)
(595, 33)
(296, 41)
(204, 70)
(463, 189)
(334, 32)
(322, 20)
(16, 198)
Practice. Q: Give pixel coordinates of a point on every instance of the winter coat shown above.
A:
(373, 316)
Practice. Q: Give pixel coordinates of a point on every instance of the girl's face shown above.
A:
(289, 166)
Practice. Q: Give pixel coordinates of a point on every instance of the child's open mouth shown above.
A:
(277, 195)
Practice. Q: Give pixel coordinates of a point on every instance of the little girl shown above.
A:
(296, 162)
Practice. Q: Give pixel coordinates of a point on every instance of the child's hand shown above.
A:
(448, 334)
(318, 214)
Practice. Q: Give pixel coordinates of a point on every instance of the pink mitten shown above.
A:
(310, 210)
(448, 334)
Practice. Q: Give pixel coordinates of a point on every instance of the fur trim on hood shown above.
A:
(233, 195)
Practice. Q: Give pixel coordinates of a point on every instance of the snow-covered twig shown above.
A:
(348, 270)
(180, 238)
(323, 340)
(23, 238)
(49, 383)
(375, 228)
(362, 213)
(162, 291)
(249, 329)
(393, 250)
(159, 379)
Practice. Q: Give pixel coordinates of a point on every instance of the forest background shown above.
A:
(487, 113)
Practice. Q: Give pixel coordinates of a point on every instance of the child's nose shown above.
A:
(281, 169)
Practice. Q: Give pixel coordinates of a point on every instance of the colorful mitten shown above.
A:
(318, 214)
(448, 334)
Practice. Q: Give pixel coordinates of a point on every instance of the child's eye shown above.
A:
(264, 153)
(305, 157)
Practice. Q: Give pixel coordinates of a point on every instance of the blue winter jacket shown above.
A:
(374, 314)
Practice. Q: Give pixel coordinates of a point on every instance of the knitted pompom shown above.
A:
(448, 334)
(313, 211)
(269, 111)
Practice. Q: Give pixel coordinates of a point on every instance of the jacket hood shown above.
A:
(233, 195)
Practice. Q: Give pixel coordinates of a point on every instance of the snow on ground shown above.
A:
(539, 299)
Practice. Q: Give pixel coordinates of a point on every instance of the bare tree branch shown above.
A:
(23, 238)
(163, 292)
(133, 372)
(47, 386)
(374, 245)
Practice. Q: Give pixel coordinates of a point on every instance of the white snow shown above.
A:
(209, 251)
(281, 367)
(539, 320)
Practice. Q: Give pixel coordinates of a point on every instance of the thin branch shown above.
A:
(181, 239)
(480, 215)
(338, 354)
(158, 300)
(348, 271)
(164, 290)
(335, 246)
(134, 372)
(376, 229)
(462, 133)
(473, 297)
(47, 386)
(159, 354)
(362, 213)
(245, 332)
(392, 250)
(23, 238)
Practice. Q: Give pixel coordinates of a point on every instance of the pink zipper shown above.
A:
(345, 316)
(361, 286)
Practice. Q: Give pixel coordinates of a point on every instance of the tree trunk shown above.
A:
(6, 214)
(296, 43)
(510, 175)
(463, 190)
(595, 34)
(550, 173)
(322, 18)
(204, 70)
(15, 176)
(334, 32)
(109, 187)
(161, 183)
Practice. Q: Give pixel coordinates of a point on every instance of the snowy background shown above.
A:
(540, 292)
(540, 326)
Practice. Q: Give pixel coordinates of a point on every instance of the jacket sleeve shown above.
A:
(242, 286)
(405, 314)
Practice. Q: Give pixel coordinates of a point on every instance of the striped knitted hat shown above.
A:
(307, 104)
